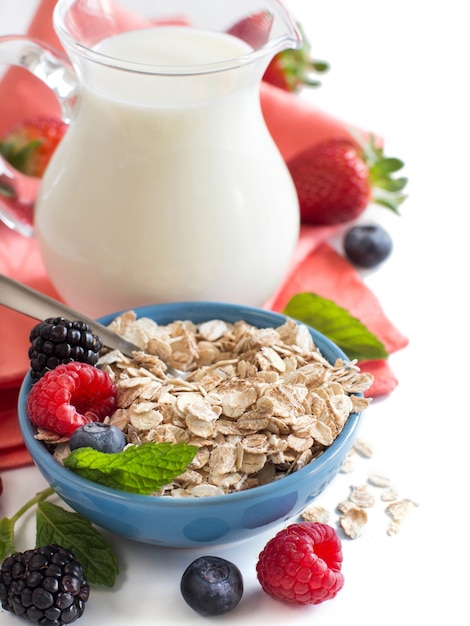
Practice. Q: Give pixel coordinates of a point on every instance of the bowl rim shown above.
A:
(269, 489)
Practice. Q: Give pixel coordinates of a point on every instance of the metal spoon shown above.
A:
(35, 304)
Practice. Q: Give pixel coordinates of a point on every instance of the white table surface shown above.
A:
(399, 69)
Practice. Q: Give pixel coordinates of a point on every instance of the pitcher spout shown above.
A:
(268, 30)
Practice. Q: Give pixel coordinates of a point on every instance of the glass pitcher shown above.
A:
(167, 185)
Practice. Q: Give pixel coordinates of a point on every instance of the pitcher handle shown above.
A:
(17, 191)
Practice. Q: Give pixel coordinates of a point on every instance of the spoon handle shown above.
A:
(35, 304)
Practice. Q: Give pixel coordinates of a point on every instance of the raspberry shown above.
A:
(69, 396)
(45, 585)
(57, 340)
(302, 564)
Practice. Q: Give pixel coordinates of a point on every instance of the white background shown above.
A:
(401, 70)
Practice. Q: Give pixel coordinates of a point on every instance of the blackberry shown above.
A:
(57, 340)
(45, 585)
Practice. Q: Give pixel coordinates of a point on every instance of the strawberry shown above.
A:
(338, 178)
(29, 145)
(292, 69)
(254, 29)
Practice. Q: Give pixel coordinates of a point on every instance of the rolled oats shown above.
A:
(399, 509)
(258, 403)
(379, 480)
(316, 514)
(363, 448)
(352, 515)
(362, 497)
(389, 495)
(353, 522)
(348, 465)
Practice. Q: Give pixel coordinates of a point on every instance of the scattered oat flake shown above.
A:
(399, 509)
(379, 480)
(389, 495)
(348, 465)
(362, 497)
(363, 448)
(353, 522)
(344, 506)
(393, 529)
(316, 514)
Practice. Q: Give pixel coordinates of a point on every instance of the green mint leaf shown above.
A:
(137, 469)
(74, 532)
(7, 536)
(336, 323)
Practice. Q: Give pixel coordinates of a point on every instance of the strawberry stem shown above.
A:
(386, 190)
(18, 156)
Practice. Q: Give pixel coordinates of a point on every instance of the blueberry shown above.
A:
(212, 585)
(367, 245)
(99, 436)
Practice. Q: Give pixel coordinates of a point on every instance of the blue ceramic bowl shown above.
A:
(196, 522)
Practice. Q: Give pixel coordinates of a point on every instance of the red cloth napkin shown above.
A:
(12, 451)
(316, 267)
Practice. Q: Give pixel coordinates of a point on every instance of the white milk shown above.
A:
(167, 188)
